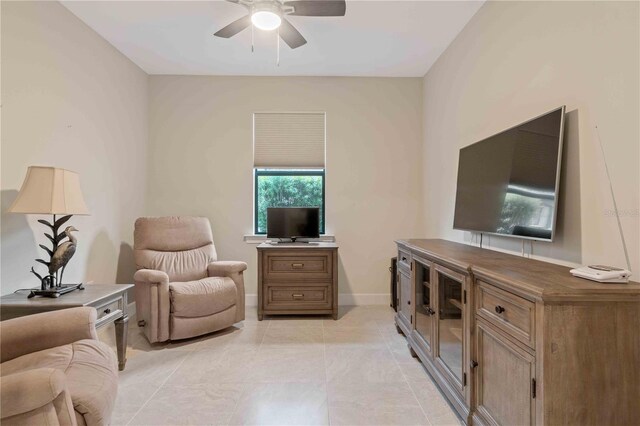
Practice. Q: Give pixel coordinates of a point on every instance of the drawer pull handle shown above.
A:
(297, 265)
(499, 309)
(404, 259)
(474, 364)
(107, 311)
(298, 296)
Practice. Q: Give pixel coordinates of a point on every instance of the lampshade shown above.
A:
(49, 190)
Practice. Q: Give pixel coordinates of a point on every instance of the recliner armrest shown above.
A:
(28, 390)
(153, 307)
(233, 270)
(224, 268)
(151, 276)
(32, 333)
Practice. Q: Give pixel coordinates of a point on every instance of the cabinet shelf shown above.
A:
(456, 303)
(456, 332)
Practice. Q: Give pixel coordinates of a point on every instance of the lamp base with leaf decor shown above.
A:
(62, 197)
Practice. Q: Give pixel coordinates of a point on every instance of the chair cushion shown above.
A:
(180, 266)
(172, 233)
(203, 297)
(181, 246)
(91, 370)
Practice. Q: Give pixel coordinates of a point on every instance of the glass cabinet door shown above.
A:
(450, 322)
(424, 308)
(404, 286)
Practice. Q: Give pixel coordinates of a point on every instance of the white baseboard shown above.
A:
(251, 300)
(344, 299)
(350, 299)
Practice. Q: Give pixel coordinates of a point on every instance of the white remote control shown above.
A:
(602, 274)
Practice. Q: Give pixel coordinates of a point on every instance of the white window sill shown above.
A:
(259, 239)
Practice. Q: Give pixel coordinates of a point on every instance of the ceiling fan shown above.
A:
(270, 15)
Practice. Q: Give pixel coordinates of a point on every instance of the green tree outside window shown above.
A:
(287, 188)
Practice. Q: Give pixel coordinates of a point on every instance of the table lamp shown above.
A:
(54, 191)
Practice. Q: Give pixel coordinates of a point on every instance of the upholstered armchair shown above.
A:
(181, 289)
(55, 371)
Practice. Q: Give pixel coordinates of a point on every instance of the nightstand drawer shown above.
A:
(310, 265)
(404, 259)
(513, 314)
(113, 307)
(298, 297)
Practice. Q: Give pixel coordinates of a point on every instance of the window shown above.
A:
(289, 163)
(287, 188)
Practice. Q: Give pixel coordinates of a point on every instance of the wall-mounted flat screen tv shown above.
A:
(508, 183)
(293, 222)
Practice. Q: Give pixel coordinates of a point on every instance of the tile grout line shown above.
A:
(326, 374)
(245, 389)
(245, 385)
(160, 387)
(407, 380)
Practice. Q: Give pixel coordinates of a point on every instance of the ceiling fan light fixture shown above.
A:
(266, 20)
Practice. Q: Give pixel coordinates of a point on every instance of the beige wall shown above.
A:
(201, 162)
(516, 60)
(69, 99)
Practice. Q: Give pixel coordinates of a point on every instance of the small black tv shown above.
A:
(293, 222)
(508, 183)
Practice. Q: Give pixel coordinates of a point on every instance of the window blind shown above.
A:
(288, 140)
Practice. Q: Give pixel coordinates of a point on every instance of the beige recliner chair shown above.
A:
(55, 371)
(181, 290)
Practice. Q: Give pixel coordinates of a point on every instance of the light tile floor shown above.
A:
(281, 371)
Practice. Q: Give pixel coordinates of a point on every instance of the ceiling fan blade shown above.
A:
(290, 35)
(317, 7)
(234, 28)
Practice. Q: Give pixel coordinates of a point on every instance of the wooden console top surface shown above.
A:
(311, 245)
(540, 280)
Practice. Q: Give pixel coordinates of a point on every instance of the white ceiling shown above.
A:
(375, 38)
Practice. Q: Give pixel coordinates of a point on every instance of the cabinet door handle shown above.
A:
(408, 302)
(499, 309)
(473, 364)
(297, 265)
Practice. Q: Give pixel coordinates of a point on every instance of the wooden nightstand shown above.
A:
(297, 278)
(110, 300)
